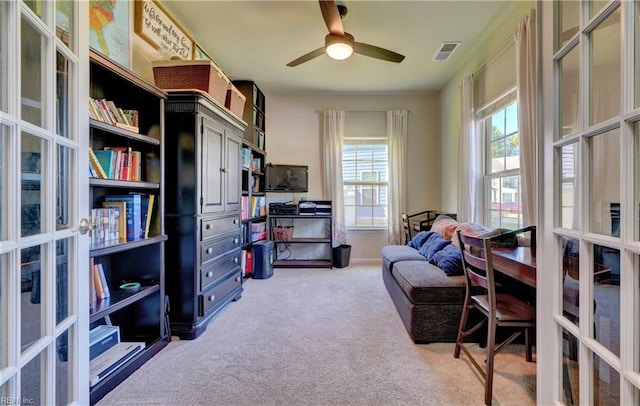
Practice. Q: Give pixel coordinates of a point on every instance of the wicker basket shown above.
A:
(283, 233)
(235, 101)
(200, 75)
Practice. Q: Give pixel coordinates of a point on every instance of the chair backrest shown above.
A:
(477, 264)
(405, 226)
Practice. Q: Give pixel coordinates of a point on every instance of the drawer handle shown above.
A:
(235, 260)
(210, 274)
(212, 298)
(237, 279)
(235, 221)
(235, 240)
(209, 250)
(208, 226)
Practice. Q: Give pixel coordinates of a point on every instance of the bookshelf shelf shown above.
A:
(136, 167)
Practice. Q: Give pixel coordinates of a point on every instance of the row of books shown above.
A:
(106, 111)
(257, 232)
(120, 163)
(99, 286)
(132, 222)
(107, 353)
(254, 183)
(253, 207)
(250, 162)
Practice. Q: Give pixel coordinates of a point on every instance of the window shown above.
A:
(503, 204)
(365, 164)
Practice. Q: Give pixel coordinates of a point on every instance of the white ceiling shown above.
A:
(256, 39)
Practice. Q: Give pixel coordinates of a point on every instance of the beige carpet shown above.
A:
(317, 337)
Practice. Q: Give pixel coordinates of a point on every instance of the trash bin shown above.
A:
(262, 259)
(341, 255)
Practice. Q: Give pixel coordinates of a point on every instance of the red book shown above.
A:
(249, 266)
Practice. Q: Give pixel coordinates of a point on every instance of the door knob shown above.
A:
(85, 226)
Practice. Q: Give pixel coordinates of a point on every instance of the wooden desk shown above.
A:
(518, 263)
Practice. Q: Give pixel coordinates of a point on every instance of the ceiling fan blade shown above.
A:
(331, 17)
(307, 57)
(377, 52)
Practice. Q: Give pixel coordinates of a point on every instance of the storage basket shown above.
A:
(283, 233)
(235, 101)
(200, 75)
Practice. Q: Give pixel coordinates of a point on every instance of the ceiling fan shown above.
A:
(339, 44)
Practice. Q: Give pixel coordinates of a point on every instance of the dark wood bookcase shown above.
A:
(140, 315)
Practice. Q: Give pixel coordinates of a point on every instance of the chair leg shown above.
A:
(491, 344)
(528, 342)
(463, 324)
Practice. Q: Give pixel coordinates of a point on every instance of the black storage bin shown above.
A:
(341, 255)
(262, 259)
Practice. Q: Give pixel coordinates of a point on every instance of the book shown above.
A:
(107, 161)
(149, 217)
(101, 338)
(133, 213)
(121, 218)
(110, 360)
(98, 282)
(106, 293)
(92, 287)
(95, 164)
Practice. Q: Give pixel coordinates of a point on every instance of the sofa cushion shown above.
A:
(449, 260)
(419, 239)
(433, 244)
(424, 283)
(395, 253)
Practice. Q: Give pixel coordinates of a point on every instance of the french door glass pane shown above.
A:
(605, 69)
(32, 193)
(38, 6)
(596, 6)
(32, 74)
(4, 323)
(62, 95)
(569, 91)
(570, 280)
(3, 57)
(605, 180)
(64, 15)
(4, 177)
(63, 284)
(64, 378)
(606, 388)
(569, 20)
(569, 182)
(64, 159)
(31, 382)
(31, 288)
(570, 381)
(606, 297)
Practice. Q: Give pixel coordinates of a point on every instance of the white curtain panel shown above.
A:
(470, 168)
(526, 79)
(332, 187)
(397, 138)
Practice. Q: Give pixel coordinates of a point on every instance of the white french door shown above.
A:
(43, 168)
(591, 233)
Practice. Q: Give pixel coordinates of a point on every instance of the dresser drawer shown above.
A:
(211, 250)
(212, 227)
(217, 269)
(210, 300)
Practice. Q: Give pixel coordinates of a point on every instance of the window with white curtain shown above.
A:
(365, 164)
(503, 202)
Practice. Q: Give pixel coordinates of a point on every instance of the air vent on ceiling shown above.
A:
(446, 50)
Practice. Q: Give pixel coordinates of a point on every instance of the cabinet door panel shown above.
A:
(212, 175)
(233, 173)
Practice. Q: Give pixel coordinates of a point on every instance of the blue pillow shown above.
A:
(449, 260)
(419, 239)
(433, 244)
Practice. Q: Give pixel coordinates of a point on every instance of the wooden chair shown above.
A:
(499, 309)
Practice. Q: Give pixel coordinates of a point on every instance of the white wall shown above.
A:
(451, 103)
(293, 136)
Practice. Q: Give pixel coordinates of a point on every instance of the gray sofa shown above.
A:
(429, 302)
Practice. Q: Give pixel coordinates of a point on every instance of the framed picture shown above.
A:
(156, 26)
(109, 29)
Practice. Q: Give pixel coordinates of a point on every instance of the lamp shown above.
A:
(339, 47)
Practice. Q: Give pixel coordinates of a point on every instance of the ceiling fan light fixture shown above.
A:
(339, 47)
